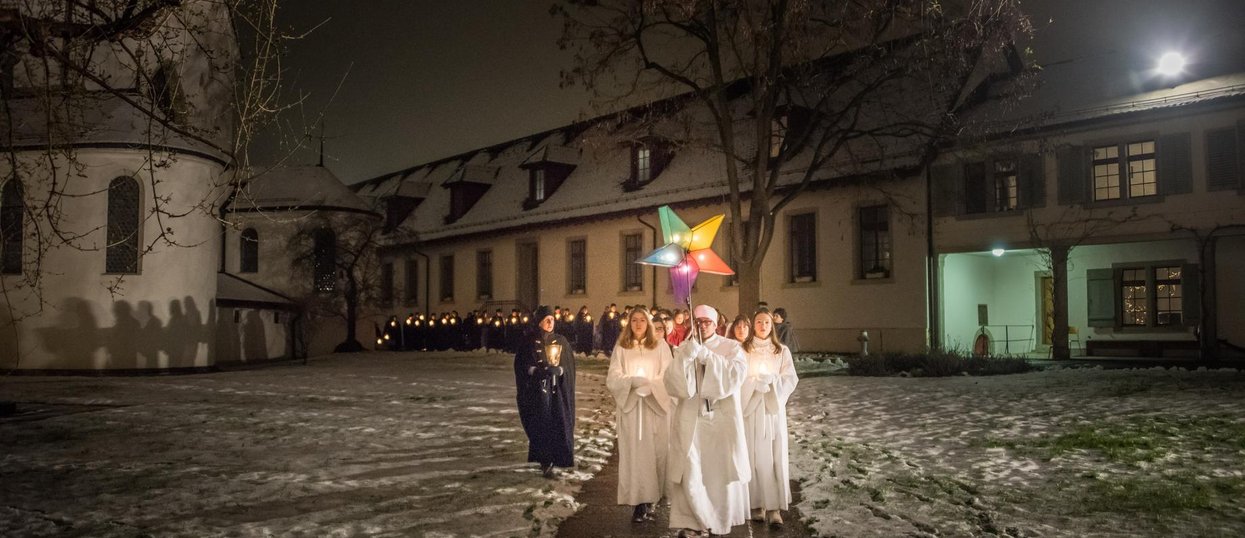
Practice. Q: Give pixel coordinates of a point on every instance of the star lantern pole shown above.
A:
(687, 253)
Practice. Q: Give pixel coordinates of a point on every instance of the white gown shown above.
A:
(708, 468)
(765, 424)
(643, 421)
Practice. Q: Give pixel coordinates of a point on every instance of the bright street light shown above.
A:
(1170, 64)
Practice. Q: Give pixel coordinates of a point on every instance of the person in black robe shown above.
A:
(611, 327)
(545, 394)
(583, 331)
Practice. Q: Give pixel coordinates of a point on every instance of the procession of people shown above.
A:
(700, 399)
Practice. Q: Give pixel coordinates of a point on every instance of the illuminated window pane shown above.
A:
(1106, 152)
(1106, 173)
(643, 164)
(1168, 305)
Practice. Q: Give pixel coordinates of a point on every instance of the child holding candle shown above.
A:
(637, 365)
(770, 382)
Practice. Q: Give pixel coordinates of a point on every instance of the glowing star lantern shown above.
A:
(687, 251)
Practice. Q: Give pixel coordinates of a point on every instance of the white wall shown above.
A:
(78, 317)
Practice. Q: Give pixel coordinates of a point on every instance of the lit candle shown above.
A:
(640, 372)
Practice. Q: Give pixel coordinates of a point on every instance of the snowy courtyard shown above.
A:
(429, 445)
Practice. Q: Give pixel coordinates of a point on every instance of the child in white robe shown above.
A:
(771, 380)
(637, 365)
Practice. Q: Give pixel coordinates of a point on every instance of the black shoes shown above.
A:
(643, 512)
(548, 471)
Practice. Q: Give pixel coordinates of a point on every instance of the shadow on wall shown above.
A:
(137, 338)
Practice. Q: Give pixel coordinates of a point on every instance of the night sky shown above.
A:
(421, 79)
(424, 79)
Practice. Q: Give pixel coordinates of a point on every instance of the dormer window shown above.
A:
(547, 167)
(789, 123)
(648, 159)
(467, 186)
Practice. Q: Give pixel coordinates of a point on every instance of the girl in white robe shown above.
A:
(637, 366)
(771, 380)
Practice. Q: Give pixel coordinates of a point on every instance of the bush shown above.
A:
(935, 364)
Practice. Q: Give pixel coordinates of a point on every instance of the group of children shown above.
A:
(702, 418)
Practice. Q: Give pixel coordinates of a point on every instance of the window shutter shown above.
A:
(946, 181)
(1175, 164)
(1222, 160)
(1100, 297)
(1073, 170)
(1191, 293)
(1032, 181)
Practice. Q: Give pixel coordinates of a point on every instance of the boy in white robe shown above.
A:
(708, 463)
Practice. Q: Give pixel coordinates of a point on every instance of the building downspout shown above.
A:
(931, 266)
(654, 230)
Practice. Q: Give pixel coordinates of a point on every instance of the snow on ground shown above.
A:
(368, 444)
(1068, 452)
(388, 444)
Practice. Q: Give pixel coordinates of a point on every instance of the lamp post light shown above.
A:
(1170, 64)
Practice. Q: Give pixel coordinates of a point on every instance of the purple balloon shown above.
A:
(683, 277)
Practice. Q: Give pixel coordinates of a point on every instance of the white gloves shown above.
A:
(696, 350)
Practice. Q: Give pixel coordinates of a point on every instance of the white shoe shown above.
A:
(758, 514)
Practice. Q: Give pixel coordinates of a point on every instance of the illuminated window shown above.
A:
(1168, 305)
(1106, 173)
(643, 164)
(1138, 158)
(1142, 177)
(1133, 292)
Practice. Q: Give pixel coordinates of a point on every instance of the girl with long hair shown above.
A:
(635, 378)
(771, 380)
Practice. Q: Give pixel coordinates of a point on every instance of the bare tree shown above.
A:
(799, 90)
(163, 78)
(335, 258)
(1054, 239)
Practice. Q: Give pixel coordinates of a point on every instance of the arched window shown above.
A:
(325, 259)
(12, 208)
(249, 252)
(121, 254)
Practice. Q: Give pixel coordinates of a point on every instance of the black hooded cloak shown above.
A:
(546, 397)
